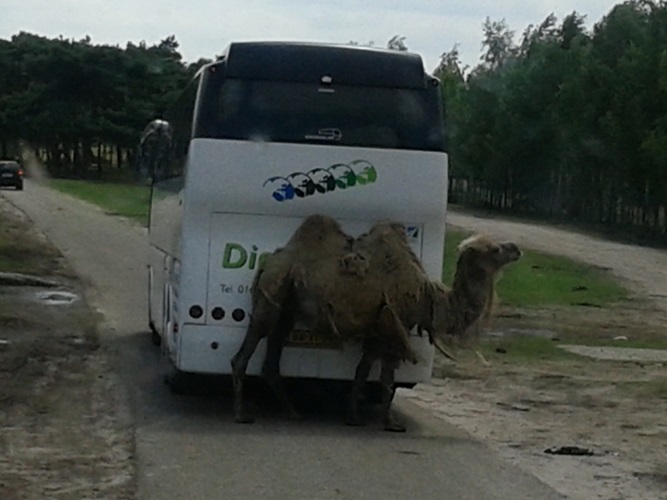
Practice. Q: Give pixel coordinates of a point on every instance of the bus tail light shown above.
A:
(196, 312)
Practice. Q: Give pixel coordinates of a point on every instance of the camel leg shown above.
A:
(261, 325)
(388, 390)
(389, 322)
(327, 325)
(360, 377)
(271, 368)
(239, 366)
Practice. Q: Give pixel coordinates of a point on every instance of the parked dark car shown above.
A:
(11, 174)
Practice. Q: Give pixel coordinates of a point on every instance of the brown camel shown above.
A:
(373, 290)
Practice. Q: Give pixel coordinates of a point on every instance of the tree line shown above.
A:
(81, 107)
(565, 122)
(561, 121)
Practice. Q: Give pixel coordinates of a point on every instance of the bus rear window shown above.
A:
(306, 113)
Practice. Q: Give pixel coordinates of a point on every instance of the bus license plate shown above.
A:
(306, 338)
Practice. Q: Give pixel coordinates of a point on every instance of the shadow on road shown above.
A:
(206, 401)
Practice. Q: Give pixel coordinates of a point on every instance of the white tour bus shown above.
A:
(263, 137)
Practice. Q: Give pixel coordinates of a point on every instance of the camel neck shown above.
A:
(471, 290)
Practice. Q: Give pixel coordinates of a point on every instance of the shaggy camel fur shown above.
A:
(372, 290)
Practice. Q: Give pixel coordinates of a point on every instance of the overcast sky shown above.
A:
(203, 28)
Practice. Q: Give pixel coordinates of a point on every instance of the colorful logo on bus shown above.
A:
(322, 180)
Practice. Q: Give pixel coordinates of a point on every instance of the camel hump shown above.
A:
(319, 230)
(390, 228)
(387, 245)
(387, 232)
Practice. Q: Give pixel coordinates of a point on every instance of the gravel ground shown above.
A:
(608, 405)
(65, 423)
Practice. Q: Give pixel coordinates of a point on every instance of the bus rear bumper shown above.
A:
(209, 350)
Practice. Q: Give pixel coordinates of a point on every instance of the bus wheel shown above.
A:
(374, 391)
(155, 336)
(180, 383)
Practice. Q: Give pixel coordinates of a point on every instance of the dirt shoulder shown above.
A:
(613, 409)
(66, 428)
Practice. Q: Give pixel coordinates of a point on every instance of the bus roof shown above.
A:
(310, 62)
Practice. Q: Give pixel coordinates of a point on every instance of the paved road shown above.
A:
(189, 447)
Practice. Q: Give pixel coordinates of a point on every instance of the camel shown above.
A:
(372, 290)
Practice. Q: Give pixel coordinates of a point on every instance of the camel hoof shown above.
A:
(393, 426)
(294, 415)
(244, 419)
(354, 421)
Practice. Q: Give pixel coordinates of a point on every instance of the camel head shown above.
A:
(481, 253)
(472, 294)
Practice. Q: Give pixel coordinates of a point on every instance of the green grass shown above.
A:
(539, 280)
(10, 263)
(647, 343)
(523, 348)
(646, 389)
(117, 199)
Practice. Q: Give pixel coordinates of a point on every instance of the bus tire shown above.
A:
(180, 383)
(374, 392)
(155, 335)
